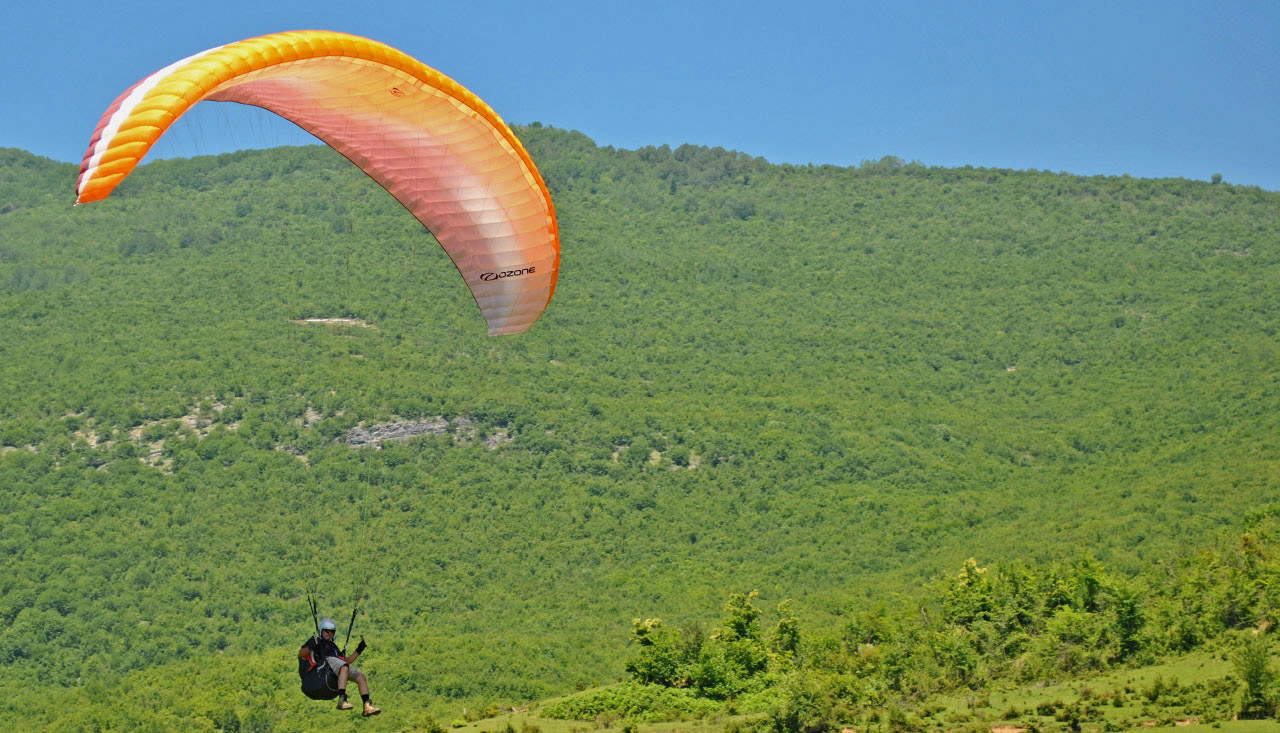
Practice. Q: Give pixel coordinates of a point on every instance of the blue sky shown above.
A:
(1153, 88)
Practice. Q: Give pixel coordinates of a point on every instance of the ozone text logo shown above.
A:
(490, 276)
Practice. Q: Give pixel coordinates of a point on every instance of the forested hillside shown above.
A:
(833, 385)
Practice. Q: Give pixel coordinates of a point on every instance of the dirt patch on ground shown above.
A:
(333, 322)
(201, 425)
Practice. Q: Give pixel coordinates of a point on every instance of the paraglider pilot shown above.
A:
(320, 659)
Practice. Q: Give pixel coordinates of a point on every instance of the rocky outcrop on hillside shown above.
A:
(463, 429)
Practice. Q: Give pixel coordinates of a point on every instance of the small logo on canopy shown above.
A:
(490, 276)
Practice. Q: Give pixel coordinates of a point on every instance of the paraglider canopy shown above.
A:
(436, 147)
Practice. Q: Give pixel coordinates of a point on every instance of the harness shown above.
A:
(320, 682)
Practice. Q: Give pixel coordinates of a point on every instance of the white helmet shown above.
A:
(328, 625)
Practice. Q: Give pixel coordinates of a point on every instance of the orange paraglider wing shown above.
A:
(436, 147)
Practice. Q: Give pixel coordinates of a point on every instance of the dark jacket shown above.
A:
(314, 652)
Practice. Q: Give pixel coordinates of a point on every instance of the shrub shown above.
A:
(1253, 665)
(656, 660)
(801, 709)
(632, 701)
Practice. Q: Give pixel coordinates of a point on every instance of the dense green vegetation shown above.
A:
(978, 632)
(833, 385)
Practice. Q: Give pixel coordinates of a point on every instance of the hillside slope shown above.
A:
(829, 384)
